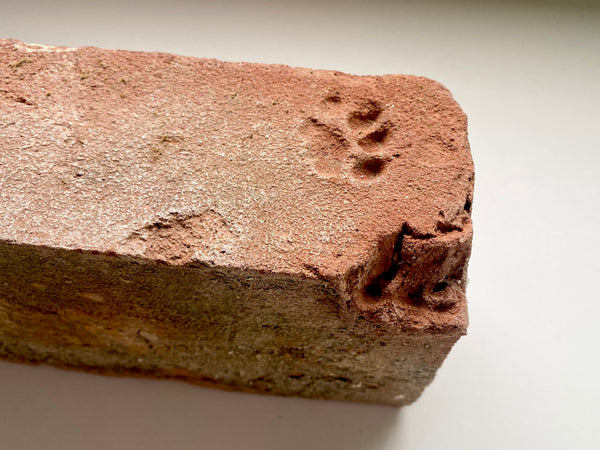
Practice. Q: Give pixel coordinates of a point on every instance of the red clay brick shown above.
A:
(249, 226)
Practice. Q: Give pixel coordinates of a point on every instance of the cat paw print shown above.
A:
(349, 139)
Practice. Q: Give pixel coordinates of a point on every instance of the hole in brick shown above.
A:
(373, 290)
(468, 205)
(335, 98)
(377, 136)
(390, 274)
(440, 286)
(161, 225)
(415, 297)
(369, 167)
(371, 295)
(24, 101)
(373, 140)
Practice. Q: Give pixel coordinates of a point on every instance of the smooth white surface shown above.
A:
(528, 76)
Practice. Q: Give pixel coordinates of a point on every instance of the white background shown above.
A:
(528, 76)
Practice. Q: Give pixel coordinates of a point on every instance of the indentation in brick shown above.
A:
(182, 238)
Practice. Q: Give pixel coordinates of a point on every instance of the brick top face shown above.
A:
(196, 161)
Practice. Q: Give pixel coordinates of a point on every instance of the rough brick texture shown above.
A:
(253, 227)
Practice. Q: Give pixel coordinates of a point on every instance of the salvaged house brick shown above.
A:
(246, 226)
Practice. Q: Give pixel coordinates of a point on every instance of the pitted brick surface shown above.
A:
(262, 180)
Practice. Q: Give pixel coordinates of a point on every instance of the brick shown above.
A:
(246, 226)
